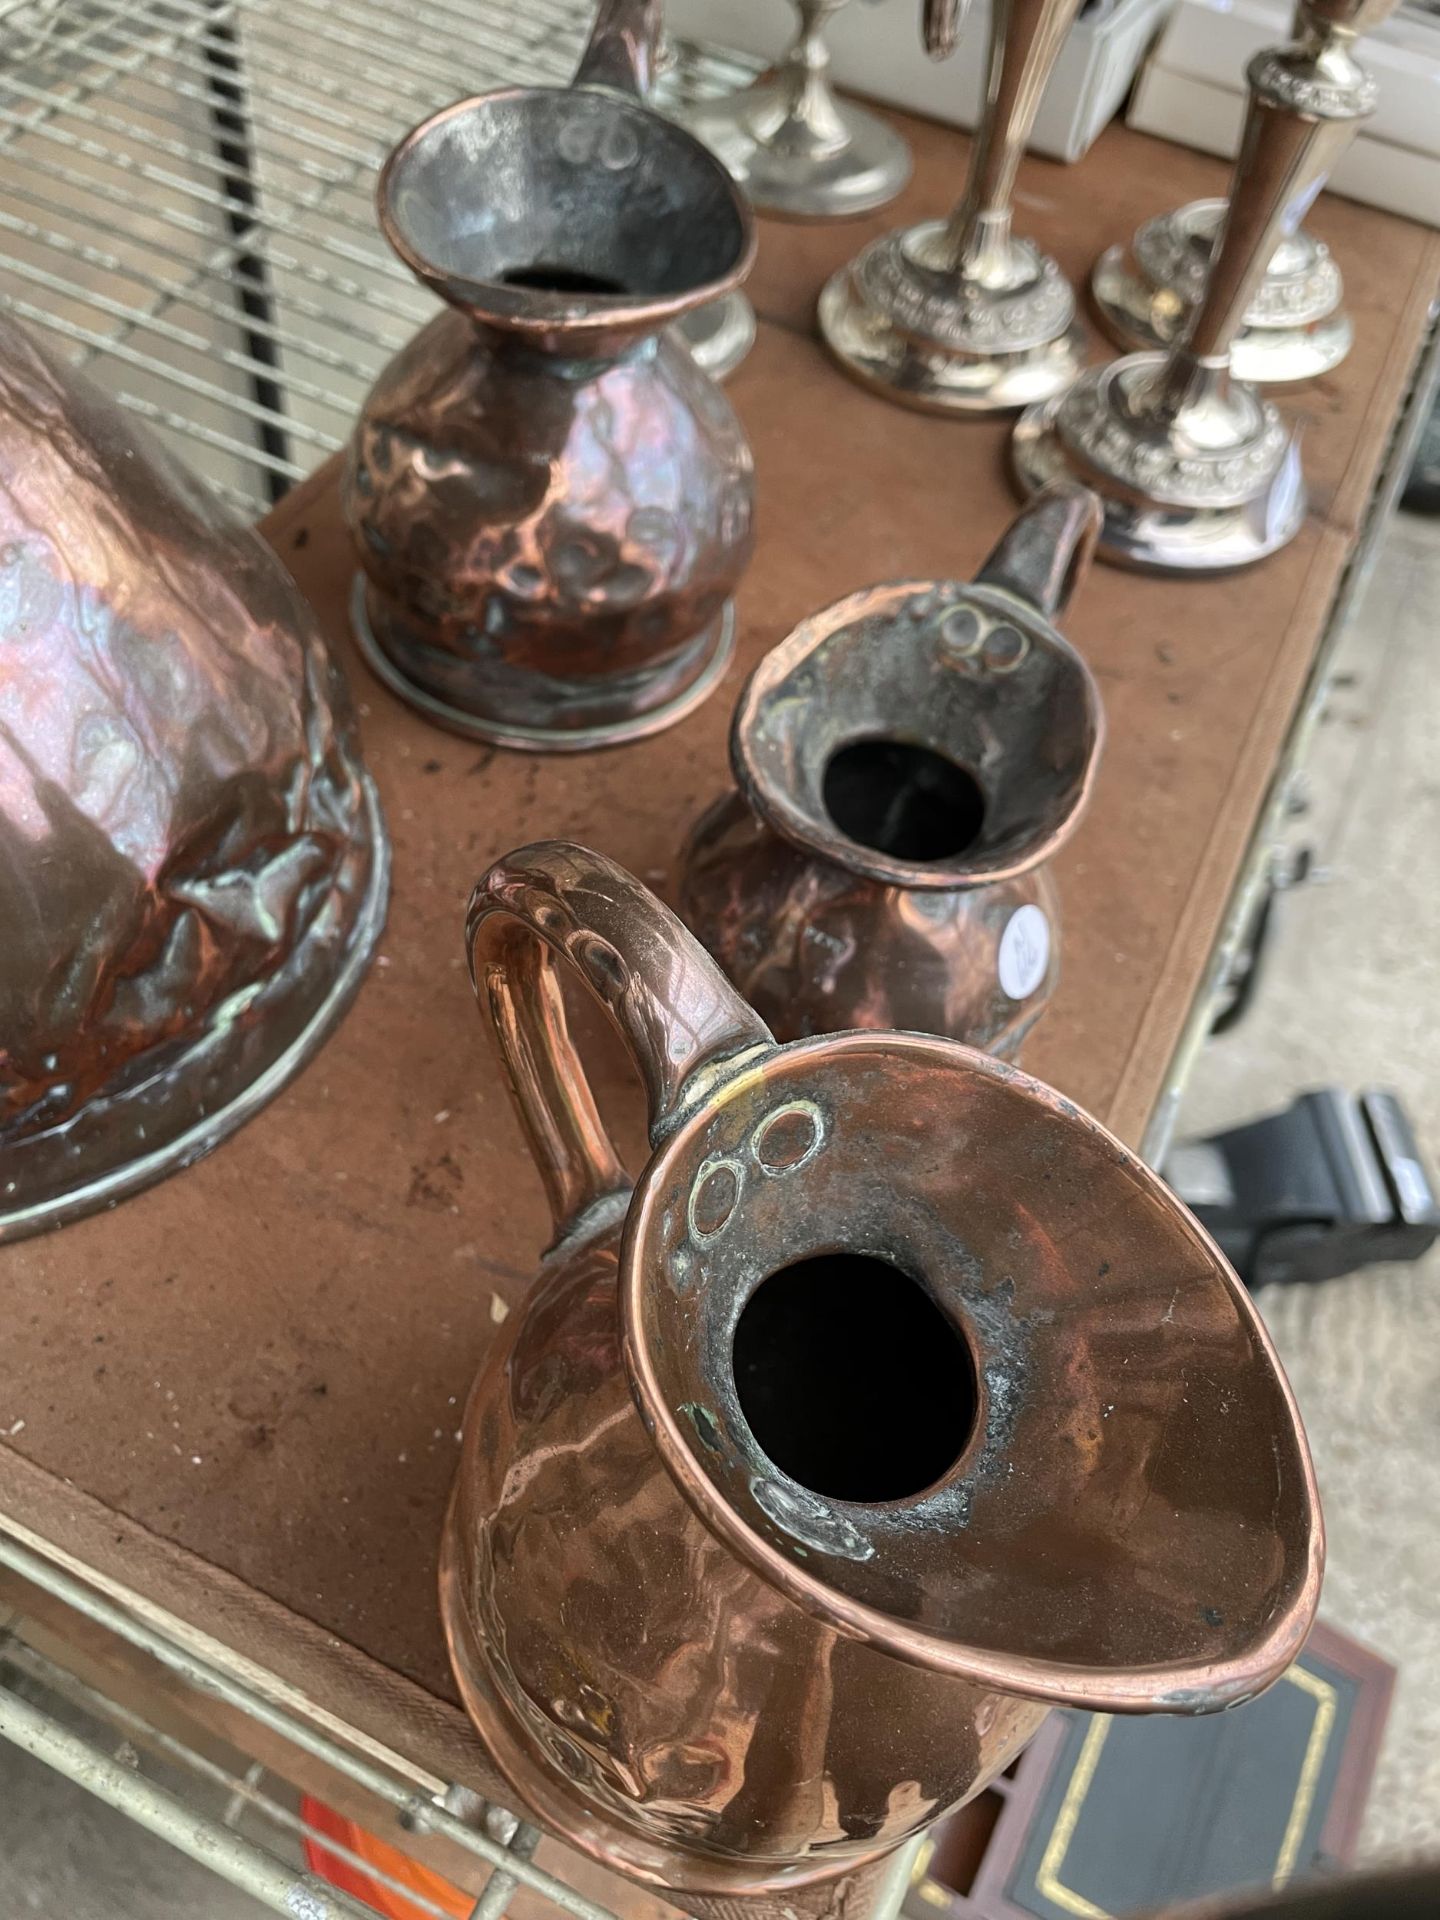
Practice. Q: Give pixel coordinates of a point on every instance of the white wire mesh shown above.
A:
(185, 197)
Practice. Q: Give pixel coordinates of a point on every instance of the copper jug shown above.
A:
(896, 1402)
(907, 761)
(550, 502)
(192, 861)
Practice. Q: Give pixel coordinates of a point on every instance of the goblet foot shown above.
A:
(786, 167)
(719, 334)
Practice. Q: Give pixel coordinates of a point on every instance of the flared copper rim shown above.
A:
(548, 313)
(795, 824)
(1188, 1686)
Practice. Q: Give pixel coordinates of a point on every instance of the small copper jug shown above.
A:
(193, 866)
(907, 762)
(896, 1402)
(550, 503)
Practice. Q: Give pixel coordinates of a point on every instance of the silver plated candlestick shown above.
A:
(1196, 470)
(960, 315)
(1294, 330)
(797, 149)
(719, 334)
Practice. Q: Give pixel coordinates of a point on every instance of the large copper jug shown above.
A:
(192, 862)
(896, 1402)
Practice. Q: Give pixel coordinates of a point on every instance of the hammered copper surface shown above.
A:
(697, 1667)
(550, 502)
(192, 865)
(821, 931)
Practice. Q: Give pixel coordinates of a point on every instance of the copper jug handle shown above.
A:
(621, 50)
(1045, 552)
(684, 1024)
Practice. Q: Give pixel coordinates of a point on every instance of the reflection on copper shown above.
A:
(550, 502)
(192, 862)
(728, 1679)
(907, 761)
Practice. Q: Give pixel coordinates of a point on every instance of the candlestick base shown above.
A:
(1295, 328)
(901, 320)
(1207, 487)
(719, 334)
(840, 162)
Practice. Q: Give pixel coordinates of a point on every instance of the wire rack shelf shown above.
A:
(185, 197)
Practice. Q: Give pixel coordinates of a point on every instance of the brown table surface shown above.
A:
(239, 1391)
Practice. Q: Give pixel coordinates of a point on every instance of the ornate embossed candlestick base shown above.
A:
(793, 146)
(550, 502)
(895, 1402)
(722, 332)
(1197, 471)
(907, 763)
(960, 316)
(1295, 328)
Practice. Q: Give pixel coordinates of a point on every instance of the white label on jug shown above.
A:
(1024, 952)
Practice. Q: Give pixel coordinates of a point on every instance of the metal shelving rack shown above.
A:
(185, 197)
(185, 207)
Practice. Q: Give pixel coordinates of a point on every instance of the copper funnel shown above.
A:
(897, 1402)
(192, 861)
(907, 762)
(551, 504)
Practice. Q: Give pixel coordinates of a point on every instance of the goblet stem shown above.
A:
(804, 76)
(1025, 38)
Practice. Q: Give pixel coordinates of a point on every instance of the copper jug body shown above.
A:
(896, 1402)
(193, 866)
(907, 761)
(550, 503)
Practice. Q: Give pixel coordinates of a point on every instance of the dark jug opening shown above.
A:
(853, 1381)
(903, 799)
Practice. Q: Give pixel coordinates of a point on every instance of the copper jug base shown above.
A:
(579, 1823)
(229, 1059)
(501, 733)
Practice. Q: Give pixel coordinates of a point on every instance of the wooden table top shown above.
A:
(240, 1390)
